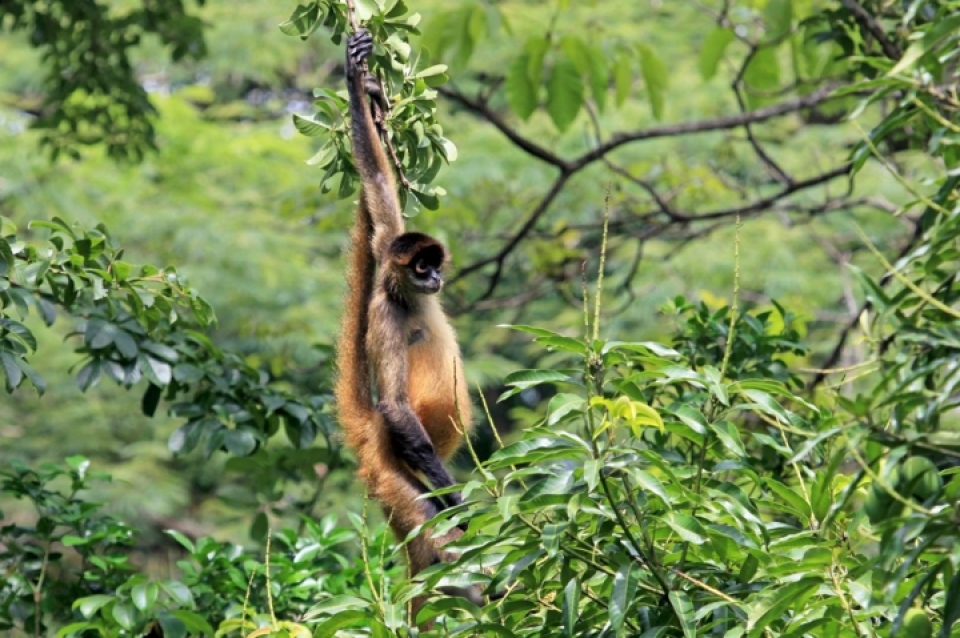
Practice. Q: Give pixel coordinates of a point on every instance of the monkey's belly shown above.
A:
(435, 396)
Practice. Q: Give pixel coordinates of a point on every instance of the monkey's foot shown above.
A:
(359, 48)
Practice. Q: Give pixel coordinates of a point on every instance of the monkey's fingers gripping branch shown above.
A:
(409, 127)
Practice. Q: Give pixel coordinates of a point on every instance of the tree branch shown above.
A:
(870, 24)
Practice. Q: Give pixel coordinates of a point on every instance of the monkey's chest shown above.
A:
(416, 335)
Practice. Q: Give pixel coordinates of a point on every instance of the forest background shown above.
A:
(671, 120)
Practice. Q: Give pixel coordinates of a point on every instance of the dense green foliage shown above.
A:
(705, 483)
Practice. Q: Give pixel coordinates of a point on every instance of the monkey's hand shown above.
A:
(359, 48)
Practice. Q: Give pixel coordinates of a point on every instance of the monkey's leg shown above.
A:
(399, 491)
(412, 445)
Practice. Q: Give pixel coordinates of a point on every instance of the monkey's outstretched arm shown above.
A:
(379, 195)
(410, 441)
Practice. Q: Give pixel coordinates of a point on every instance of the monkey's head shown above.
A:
(420, 260)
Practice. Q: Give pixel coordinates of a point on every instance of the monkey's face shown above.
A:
(425, 275)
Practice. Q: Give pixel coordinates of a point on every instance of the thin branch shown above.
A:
(870, 24)
(737, 87)
(480, 107)
(722, 123)
(528, 225)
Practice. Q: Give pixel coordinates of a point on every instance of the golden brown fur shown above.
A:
(392, 327)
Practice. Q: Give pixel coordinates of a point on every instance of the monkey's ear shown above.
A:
(409, 245)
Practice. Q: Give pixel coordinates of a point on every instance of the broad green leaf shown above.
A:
(177, 591)
(123, 615)
(686, 526)
(621, 595)
(577, 52)
(144, 595)
(524, 379)
(311, 127)
(683, 609)
(239, 442)
(622, 77)
(939, 30)
(563, 404)
(647, 481)
(951, 607)
(762, 77)
(12, 371)
(89, 605)
(521, 92)
(342, 620)
(172, 626)
(570, 607)
(195, 623)
(777, 602)
(564, 94)
(598, 75)
(655, 77)
(712, 52)
(777, 17)
(536, 50)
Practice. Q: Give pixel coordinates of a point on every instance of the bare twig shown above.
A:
(870, 24)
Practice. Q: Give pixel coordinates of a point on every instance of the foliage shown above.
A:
(417, 137)
(93, 93)
(139, 322)
(72, 569)
(698, 489)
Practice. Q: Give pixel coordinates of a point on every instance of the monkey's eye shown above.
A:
(421, 267)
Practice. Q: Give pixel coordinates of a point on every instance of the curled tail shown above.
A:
(353, 391)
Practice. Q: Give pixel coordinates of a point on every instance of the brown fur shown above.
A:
(405, 337)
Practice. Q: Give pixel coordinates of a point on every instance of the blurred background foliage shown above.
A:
(227, 197)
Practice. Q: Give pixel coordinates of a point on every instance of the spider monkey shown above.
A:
(394, 325)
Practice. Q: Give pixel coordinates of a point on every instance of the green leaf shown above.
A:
(172, 626)
(521, 92)
(564, 94)
(938, 31)
(177, 591)
(712, 52)
(599, 76)
(89, 605)
(524, 379)
(655, 77)
(88, 375)
(157, 372)
(123, 615)
(576, 51)
(144, 595)
(621, 595)
(239, 442)
(777, 17)
(951, 606)
(686, 526)
(683, 609)
(777, 602)
(259, 527)
(622, 77)
(12, 371)
(310, 127)
(536, 49)
(342, 620)
(194, 623)
(180, 538)
(304, 20)
(762, 77)
(570, 608)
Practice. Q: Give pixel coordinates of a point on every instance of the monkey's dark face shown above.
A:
(425, 275)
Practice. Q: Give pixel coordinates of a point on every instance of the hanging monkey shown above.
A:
(394, 325)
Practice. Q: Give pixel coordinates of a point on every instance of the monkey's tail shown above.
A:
(353, 391)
